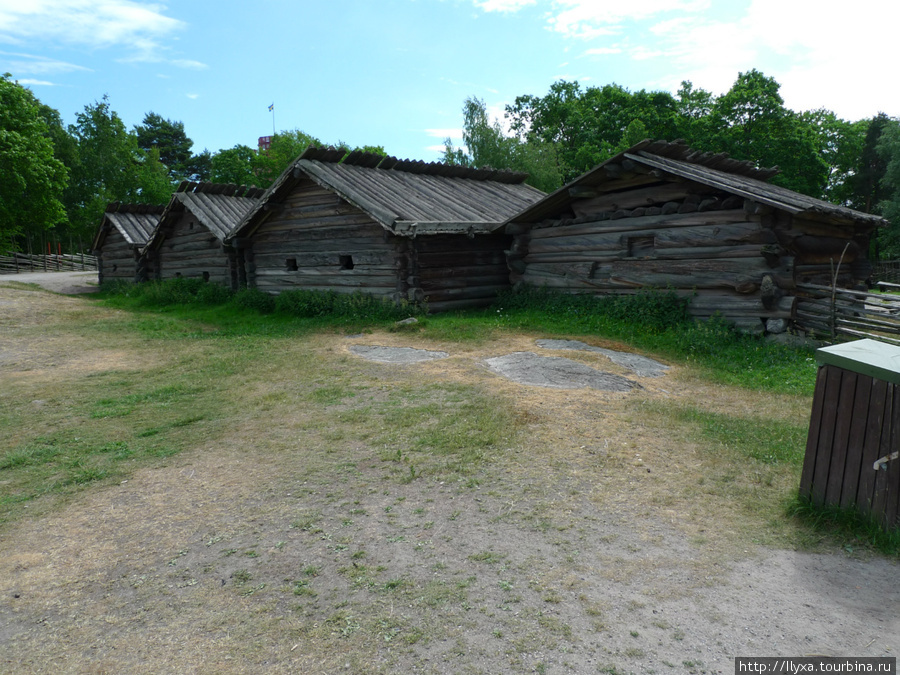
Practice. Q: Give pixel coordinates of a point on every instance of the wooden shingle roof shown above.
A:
(135, 222)
(218, 207)
(406, 197)
(740, 178)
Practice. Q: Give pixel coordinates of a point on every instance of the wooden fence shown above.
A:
(886, 270)
(829, 313)
(13, 263)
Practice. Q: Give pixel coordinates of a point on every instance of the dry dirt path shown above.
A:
(67, 283)
(550, 564)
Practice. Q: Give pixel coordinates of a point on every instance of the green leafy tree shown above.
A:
(750, 122)
(235, 165)
(589, 126)
(888, 150)
(285, 147)
(199, 167)
(839, 143)
(490, 147)
(32, 179)
(868, 188)
(109, 166)
(169, 139)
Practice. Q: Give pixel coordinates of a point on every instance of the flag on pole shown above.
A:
(271, 107)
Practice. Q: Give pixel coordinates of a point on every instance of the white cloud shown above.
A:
(590, 19)
(502, 5)
(140, 28)
(193, 97)
(440, 148)
(601, 51)
(836, 61)
(37, 83)
(444, 133)
(36, 65)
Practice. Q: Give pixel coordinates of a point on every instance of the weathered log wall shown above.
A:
(453, 271)
(117, 259)
(733, 256)
(317, 241)
(192, 251)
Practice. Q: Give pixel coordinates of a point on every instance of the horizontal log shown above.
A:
(198, 264)
(451, 259)
(275, 289)
(465, 272)
(299, 246)
(212, 244)
(460, 244)
(327, 275)
(460, 282)
(710, 218)
(463, 293)
(281, 223)
(324, 259)
(700, 253)
(646, 196)
(741, 274)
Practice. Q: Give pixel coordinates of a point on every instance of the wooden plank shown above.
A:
(882, 476)
(812, 438)
(437, 283)
(629, 199)
(856, 440)
(660, 222)
(892, 500)
(843, 422)
(867, 478)
(825, 448)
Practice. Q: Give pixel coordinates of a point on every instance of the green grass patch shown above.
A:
(847, 528)
(765, 440)
(656, 321)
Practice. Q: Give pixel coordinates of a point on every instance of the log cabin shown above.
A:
(123, 233)
(661, 215)
(399, 229)
(189, 239)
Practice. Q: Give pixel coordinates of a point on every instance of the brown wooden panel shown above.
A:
(843, 416)
(825, 448)
(892, 472)
(880, 498)
(867, 474)
(812, 437)
(856, 440)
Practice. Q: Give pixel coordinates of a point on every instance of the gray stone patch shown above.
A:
(396, 354)
(555, 371)
(639, 365)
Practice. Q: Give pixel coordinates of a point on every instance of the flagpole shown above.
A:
(272, 108)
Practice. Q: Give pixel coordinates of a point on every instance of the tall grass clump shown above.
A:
(848, 527)
(180, 291)
(652, 310)
(303, 304)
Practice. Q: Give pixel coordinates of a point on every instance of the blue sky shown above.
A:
(396, 72)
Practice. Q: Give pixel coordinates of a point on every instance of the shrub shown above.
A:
(253, 298)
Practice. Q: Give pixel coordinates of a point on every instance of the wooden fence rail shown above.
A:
(12, 263)
(828, 313)
(886, 270)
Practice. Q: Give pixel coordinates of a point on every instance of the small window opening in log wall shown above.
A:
(290, 264)
(191, 225)
(115, 267)
(346, 262)
(206, 276)
(641, 247)
(177, 275)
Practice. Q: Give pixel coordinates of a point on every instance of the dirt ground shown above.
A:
(226, 561)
